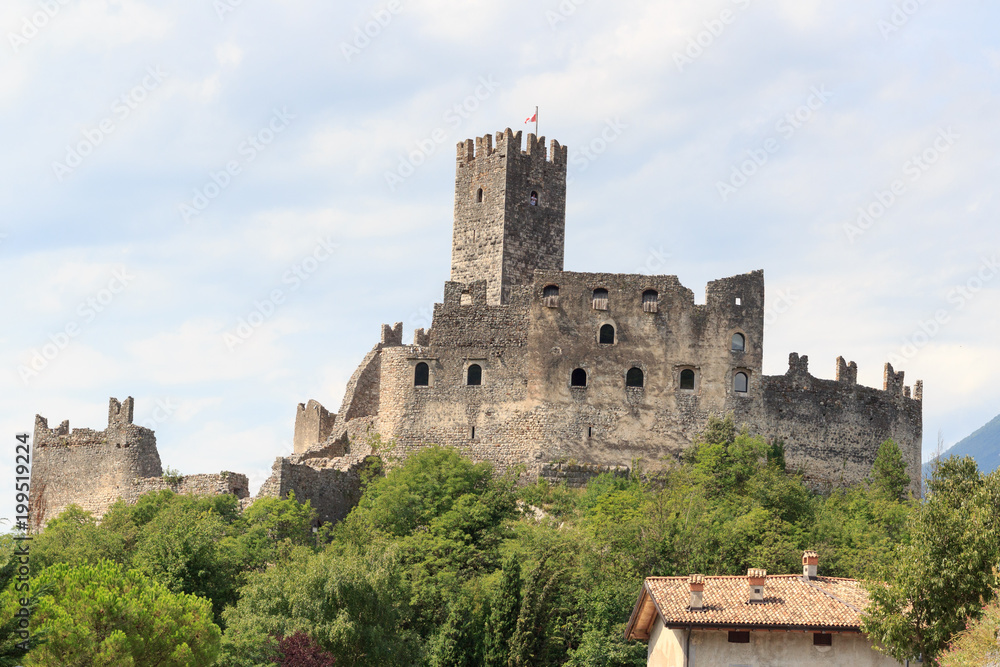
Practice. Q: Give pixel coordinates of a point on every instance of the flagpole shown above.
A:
(536, 122)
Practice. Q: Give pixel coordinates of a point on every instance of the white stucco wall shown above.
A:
(766, 649)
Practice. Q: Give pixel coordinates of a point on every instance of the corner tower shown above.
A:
(510, 211)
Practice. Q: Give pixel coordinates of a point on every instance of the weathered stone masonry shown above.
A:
(568, 374)
(93, 469)
(530, 326)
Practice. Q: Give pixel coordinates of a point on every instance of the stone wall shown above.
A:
(832, 429)
(332, 492)
(93, 469)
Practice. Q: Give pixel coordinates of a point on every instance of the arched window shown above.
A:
(687, 379)
(533, 200)
(421, 375)
(607, 334)
(634, 377)
(739, 342)
(600, 299)
(550, 296)
(474, 376)
(579, 378)
(650, 301)
(479, 195)
(741, 383)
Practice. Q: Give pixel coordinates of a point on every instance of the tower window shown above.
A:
(533, 200)
(687, 379)
(741, 383)
(607, 335)
(739, 342)
(600, 299)
(822, 639)
(634, 377)
(550, 296)
(474, 376)
(421, 375)
(739, 636)
(579, 378)
(650, 301)
(479, 195)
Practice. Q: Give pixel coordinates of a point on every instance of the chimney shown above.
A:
(810, 564)
(696, 583)
(756, 578)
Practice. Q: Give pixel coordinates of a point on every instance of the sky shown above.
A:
(213, 205)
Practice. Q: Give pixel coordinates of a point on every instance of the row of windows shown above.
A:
(743, 637)
(606, 336)
(650, 298)
(578, 378)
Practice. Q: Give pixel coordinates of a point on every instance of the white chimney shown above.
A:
(696, 583)
(756, 578)
(810, 564)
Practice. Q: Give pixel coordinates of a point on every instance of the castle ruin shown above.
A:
(525, 364)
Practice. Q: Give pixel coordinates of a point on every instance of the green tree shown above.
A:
(352, 600)
(889, 471)
(944, 574)
(97, 615)
(16, 636)
(977, 645)
(505, 607)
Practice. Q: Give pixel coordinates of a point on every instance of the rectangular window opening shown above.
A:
(590, 431)
(739, 636)
(822, 639)
(739, 301)
(473, 433)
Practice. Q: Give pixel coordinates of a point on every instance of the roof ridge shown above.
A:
(830, 595)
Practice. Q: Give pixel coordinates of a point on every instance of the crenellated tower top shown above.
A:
(510, 211)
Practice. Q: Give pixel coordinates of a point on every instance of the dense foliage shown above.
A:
(446, 563)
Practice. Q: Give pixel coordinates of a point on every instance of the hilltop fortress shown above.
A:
(568, 373)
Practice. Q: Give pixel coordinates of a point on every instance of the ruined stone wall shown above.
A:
(93, 469)
(87, 467)
(832, 429)
(313, 424)
(332, 492)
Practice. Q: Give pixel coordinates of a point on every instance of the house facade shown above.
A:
(755, 620)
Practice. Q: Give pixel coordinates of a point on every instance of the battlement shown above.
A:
(508, 144)
(892, 381)
(847, 372)
(392, 336)
(120, 432)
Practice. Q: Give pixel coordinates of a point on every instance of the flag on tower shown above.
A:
(531, 119)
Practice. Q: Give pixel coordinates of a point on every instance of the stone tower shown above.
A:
(510, 211)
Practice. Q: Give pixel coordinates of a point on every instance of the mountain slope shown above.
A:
(983, 445)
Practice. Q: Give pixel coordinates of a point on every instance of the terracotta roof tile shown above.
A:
(789, 600)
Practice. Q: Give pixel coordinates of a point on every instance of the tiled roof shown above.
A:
(790, 602)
